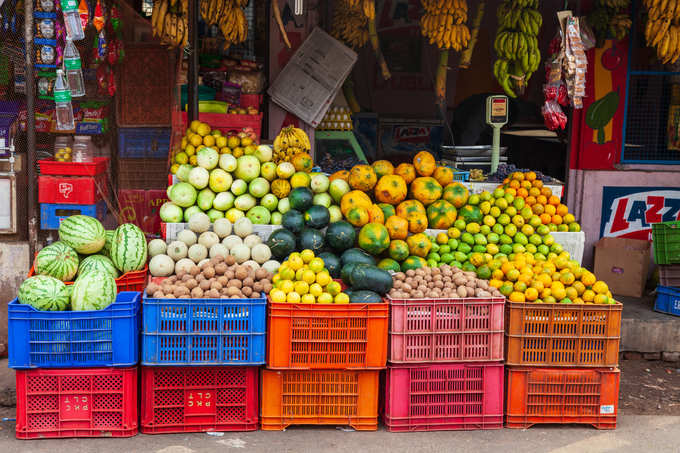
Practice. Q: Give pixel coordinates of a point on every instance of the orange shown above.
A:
(579, 287)
(520, 286)
(531, 294)
(550, 209)
(556, 219)
(495, 283)
(522, 192)
(546, 192)
(600, 287)
(601, 299)
(538, 285)
(571, 292)
(506, 180)
(544, 279)
(534, 191)
(588, 295)
(538, 183)
(514, 184)
(545, 219)
(562, 209)
(588, 278)
(538, 208)
(516, 296)
(546, 293)
(511, 191)
(554, 200)
(526, 184)
(518, 175)
(542, 199)
(530, 200)
(507, 267)
(530, 176)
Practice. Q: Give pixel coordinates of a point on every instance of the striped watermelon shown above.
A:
(128, 248)
(45, 293)
(98, 262)
(57, 260)
(108, 237)
(85, 234)
(94, 290)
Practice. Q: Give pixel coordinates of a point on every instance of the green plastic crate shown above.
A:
(666, 239)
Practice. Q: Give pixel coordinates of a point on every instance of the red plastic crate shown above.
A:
(141, 207)
(461, 396)
(82, 402)
(197, 399)
(446, 330)
(94, 168)
(251, 100)
(129, 281)
(562, 395)
(230, 122)
(72, 190)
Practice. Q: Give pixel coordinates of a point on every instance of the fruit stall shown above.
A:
(237, 255)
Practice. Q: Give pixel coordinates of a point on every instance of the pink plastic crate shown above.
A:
(461, 396)
(446, 330)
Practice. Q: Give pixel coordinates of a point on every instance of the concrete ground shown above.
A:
(634, 434)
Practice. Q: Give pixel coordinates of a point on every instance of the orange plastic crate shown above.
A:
(562, 335)
(319, 397)
(305, 336)
(562, 395)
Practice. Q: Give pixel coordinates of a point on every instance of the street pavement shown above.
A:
(657, 434)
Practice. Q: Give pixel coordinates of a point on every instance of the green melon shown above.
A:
(128, 248)
(44, 293)
(340, 235)
(97, 262)
(84, 234)
(332, 263)
(95, 290)
(57, 260)
(281, 243)
(311, 239)
(293, 220)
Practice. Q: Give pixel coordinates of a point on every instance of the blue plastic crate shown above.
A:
(461, 175)
(204, 331)
(75, 339)
(667, 300)
(143, 142)
(51, 214)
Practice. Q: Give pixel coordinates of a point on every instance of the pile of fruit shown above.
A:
(290, 143)
(555, 280)
(505, 170)
(303, 278)
(200, 243)
(105, 256)
(226, 186)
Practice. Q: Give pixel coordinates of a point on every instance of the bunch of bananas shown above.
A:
(663, 28)
(169, 21)
(609, 18)
(350, 24)
(444, 23)
(289, 142)
(519, 22)
(619, 25)
(367, 7)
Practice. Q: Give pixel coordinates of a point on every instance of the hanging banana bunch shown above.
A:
(444, 23)
(233, 23)
(354, 24)
(609, 18)
(169, 21)
(663, 28)
(516, 45)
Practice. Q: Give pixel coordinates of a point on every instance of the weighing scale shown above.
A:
(496, 117)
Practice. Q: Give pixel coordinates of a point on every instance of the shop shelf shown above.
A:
(129, 281)
(666, 242)
(203, 331)
(667, 300)
(72, 189)
(319, 397)
(143, 142)
(461, 396)
(669, 275)
(88, 402)
(314, 336)
(562, 335)
(197, 399)
(51, 214)
(230, 122)
(562, 395)
(54, 167)
(446, 330)
(69, 339)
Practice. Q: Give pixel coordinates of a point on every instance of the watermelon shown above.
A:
(128, 248)
(98, 262)
(95, 290)
(44, 293)
(57, 260)
(84, 234)
(340, 235)
(108, 237)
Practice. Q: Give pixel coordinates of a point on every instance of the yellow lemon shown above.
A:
(196, 140)
(181, 158)
(307, 255)
(308, 276)
(193, 160)
(308, 299)
(333, 288)
(193, 127)
(203, 129)
(277, 296)
(287, 286)
(174, 168)
(325, 298)
(295, 261)
(323, 278)
(341, 298)
(299, 273)
(316, 265)
(287, 273)
(301, 287)
(209, 140)
(315, 289)
(190, 150)
(293, 298)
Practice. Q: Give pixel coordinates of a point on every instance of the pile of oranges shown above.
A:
(557, 279)
(541, 200)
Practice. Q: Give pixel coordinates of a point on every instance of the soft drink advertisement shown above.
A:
(629, 212)
(410, 137)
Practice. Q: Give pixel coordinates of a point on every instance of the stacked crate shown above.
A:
(323, 365)
(666, 243)
(70, 188)
(445, 368)
(76, 371)
(200, 362)
(142, 158)
(562, 364)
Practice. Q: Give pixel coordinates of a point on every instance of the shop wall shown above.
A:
(586, 195)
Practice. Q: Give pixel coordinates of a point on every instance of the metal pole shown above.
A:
(192, 83)
(30, 128)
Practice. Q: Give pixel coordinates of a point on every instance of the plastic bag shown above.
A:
(251, 82)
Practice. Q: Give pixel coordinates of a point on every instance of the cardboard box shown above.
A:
(622, 264)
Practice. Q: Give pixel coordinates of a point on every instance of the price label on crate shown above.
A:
(199, 402)
(75, 407)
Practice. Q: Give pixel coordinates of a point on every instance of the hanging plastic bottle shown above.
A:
(74, 27)
(73, 67)
(62, 100)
